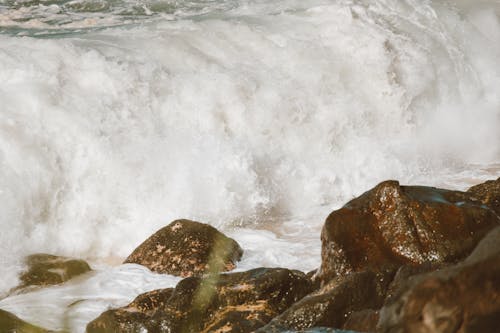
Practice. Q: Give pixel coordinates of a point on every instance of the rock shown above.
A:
(393, 225)
(45, 269)
(236, 302)
(334, 303)
(362, 321)
(133, 317)
(187, 248)
(462, 298)
(488, 193)
(11, 323)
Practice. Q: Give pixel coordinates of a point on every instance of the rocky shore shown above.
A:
(397, 259)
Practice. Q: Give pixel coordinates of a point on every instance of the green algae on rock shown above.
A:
(45, 269)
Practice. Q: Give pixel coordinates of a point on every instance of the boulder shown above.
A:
(488, 193)
(187, 248)
(133, 317)
(334, 303)
(11, 323)
(461, 298)
(392, 225)
(235, 302)
(45, 269)
(363, 321)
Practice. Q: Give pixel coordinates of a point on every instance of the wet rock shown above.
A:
(334, 303)
(10, 323)
(236, 302)
(46, 269)
(462, 298)
(488, 193)
(187, 248)
(393, 225)
(133, 317)
(362, 321)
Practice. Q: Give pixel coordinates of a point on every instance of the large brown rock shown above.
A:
(9, 323)
(187, 248)
(45, 269)
(236, 302)
(332, 305)
(488, 193)
(393, 225)
(462, 298)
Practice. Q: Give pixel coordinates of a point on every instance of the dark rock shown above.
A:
(393, 225)
(133, 317)
(187, 248)
(463, 298)
(9, 323)
(362, 321)
(46, 269)
(332, 305)
(488, 193)
(236, 302)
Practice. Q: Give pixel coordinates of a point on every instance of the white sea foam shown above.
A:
(259, 115)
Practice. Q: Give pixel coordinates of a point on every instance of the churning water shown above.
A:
(256, 116)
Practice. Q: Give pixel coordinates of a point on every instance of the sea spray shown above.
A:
(246, 114)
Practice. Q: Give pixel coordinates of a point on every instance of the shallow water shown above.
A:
(258, 117)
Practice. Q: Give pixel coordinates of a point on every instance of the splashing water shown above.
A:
(258, 117)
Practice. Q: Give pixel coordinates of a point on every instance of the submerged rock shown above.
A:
(235, 302)
(10, 323)
(393, 225)
(488, 193)
(334, 303)
(187, 248)
(463, 298)
(45, 269)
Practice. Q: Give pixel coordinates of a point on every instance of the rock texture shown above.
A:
(236, 302)
(9, 323)
(187, 248)
(488, 193)
(393, 225)
(133, 317)
(46, 269)
(334, 303)
(364, 321)
(462, 298)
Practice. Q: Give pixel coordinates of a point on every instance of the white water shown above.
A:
(258, 117)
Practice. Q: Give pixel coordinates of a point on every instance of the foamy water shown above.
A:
(258, 117)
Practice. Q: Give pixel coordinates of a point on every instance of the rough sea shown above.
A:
(257, 116)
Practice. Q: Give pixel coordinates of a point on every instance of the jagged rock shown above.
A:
(187, 248)
(462, 298)
(133, 317)
(9, 323)
(236, 302)
(45, 269)
(393, 225)
(364, 321)
(331, 305)
(488, 193)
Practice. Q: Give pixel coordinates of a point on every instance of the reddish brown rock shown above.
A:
(46, 269)
(236, 302)
(334, 303)
(187, 248)
(488, 193)
(393, 225)
(462, 298)
(364, 321)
